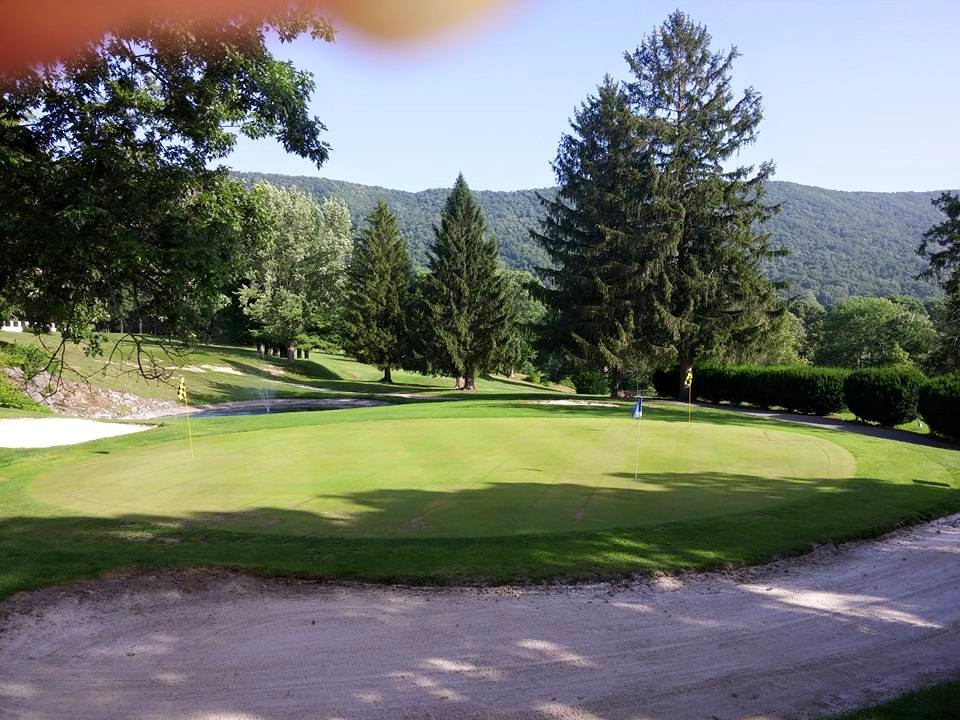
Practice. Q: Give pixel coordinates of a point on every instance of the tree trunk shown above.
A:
(387, 377)
(468, 381)
(291, 349)
(616, 382)
(306, 353)
(139, 324)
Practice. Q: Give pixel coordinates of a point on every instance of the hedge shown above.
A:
(591, 382)
(889, 396)
(940, 405)
(800, 388)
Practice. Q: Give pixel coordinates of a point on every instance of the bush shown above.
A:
(889, 396)
(666, 382)
(591, 382)
(800, 388)
(12, 397)
(939, 403)
(29, 358)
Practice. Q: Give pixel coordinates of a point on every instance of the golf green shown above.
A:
(453, 477)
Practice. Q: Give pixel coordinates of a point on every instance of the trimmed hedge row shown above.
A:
(889, 396)
(940, 405)
(800, 389)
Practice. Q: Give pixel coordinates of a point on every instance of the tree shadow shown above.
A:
(460, 656)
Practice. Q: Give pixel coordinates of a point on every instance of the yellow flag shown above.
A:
(182, 391)
(688, 380)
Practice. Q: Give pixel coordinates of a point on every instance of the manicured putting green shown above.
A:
(446, 477)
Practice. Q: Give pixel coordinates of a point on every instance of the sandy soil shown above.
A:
(839, 628)
(50, 432)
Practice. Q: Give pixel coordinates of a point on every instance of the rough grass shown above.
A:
(219, 373)
(941, 702)
(549, 494)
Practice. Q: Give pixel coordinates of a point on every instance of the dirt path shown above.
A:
(801, 638)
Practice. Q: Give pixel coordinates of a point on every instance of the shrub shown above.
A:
(29, 358)
(939, 403)
(666, 381)
(799, 388)
(591, 382)
(12, 397)
(888, 396)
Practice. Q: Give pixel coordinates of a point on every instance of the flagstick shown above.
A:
(689, 402)
(189, 431)
(636, 467)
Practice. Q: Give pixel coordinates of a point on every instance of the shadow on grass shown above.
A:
(39, 551)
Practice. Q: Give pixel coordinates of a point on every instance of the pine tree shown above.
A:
(375, 311)
(712, 246)
(468, 291)
(597, 234)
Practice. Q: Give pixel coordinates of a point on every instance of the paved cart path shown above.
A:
(800, 638)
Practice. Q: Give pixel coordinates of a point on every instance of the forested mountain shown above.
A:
(841, 243)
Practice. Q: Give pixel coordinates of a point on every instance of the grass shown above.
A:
(486, 491)
(941, 702)
(220, 373)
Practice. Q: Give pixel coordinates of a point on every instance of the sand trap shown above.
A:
(797, 639)
(578, 403)
(50, 432)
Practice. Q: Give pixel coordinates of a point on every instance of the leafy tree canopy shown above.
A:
(107, 196)
(296, 270)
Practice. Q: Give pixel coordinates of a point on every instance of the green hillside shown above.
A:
(841, 243)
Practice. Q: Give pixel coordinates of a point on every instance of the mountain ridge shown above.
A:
(841, 242)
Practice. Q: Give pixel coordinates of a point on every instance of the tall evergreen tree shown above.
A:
(710, 243)
(468, 295)
(596, 234)
(375, 312)
(941, 246)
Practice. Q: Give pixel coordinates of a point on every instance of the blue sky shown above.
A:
(857, 95)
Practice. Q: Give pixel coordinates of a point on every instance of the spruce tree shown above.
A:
(710, 242)
(375, 311)
(468, 293)
(596, 233)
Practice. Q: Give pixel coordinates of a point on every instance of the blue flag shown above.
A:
(637, 410)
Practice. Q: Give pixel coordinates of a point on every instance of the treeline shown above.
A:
(309, 280)
(841, 244)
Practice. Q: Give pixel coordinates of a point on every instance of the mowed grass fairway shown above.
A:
(458, 491)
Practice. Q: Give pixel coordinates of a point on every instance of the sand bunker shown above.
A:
(50, 432)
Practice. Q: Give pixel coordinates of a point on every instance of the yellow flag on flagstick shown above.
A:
(688, 384)
(182, 397)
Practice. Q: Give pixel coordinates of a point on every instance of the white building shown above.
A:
(13, 326)
(19, 326)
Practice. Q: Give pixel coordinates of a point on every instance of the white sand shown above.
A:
(49, 432)
(798, 639)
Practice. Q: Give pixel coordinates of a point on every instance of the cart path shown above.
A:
(801, 638)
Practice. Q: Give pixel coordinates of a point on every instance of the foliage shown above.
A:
(296, 271)
(374, 313)
(590, 382)
(803, 389)
(873, 332)
(939, 405)
(657, 250)
(468, 293)
(888, 396)
(598, 279)
(516, 346)
(840, 244)
(108, 198)
(941, 244)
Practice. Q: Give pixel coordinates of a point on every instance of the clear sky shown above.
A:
(858, 95)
